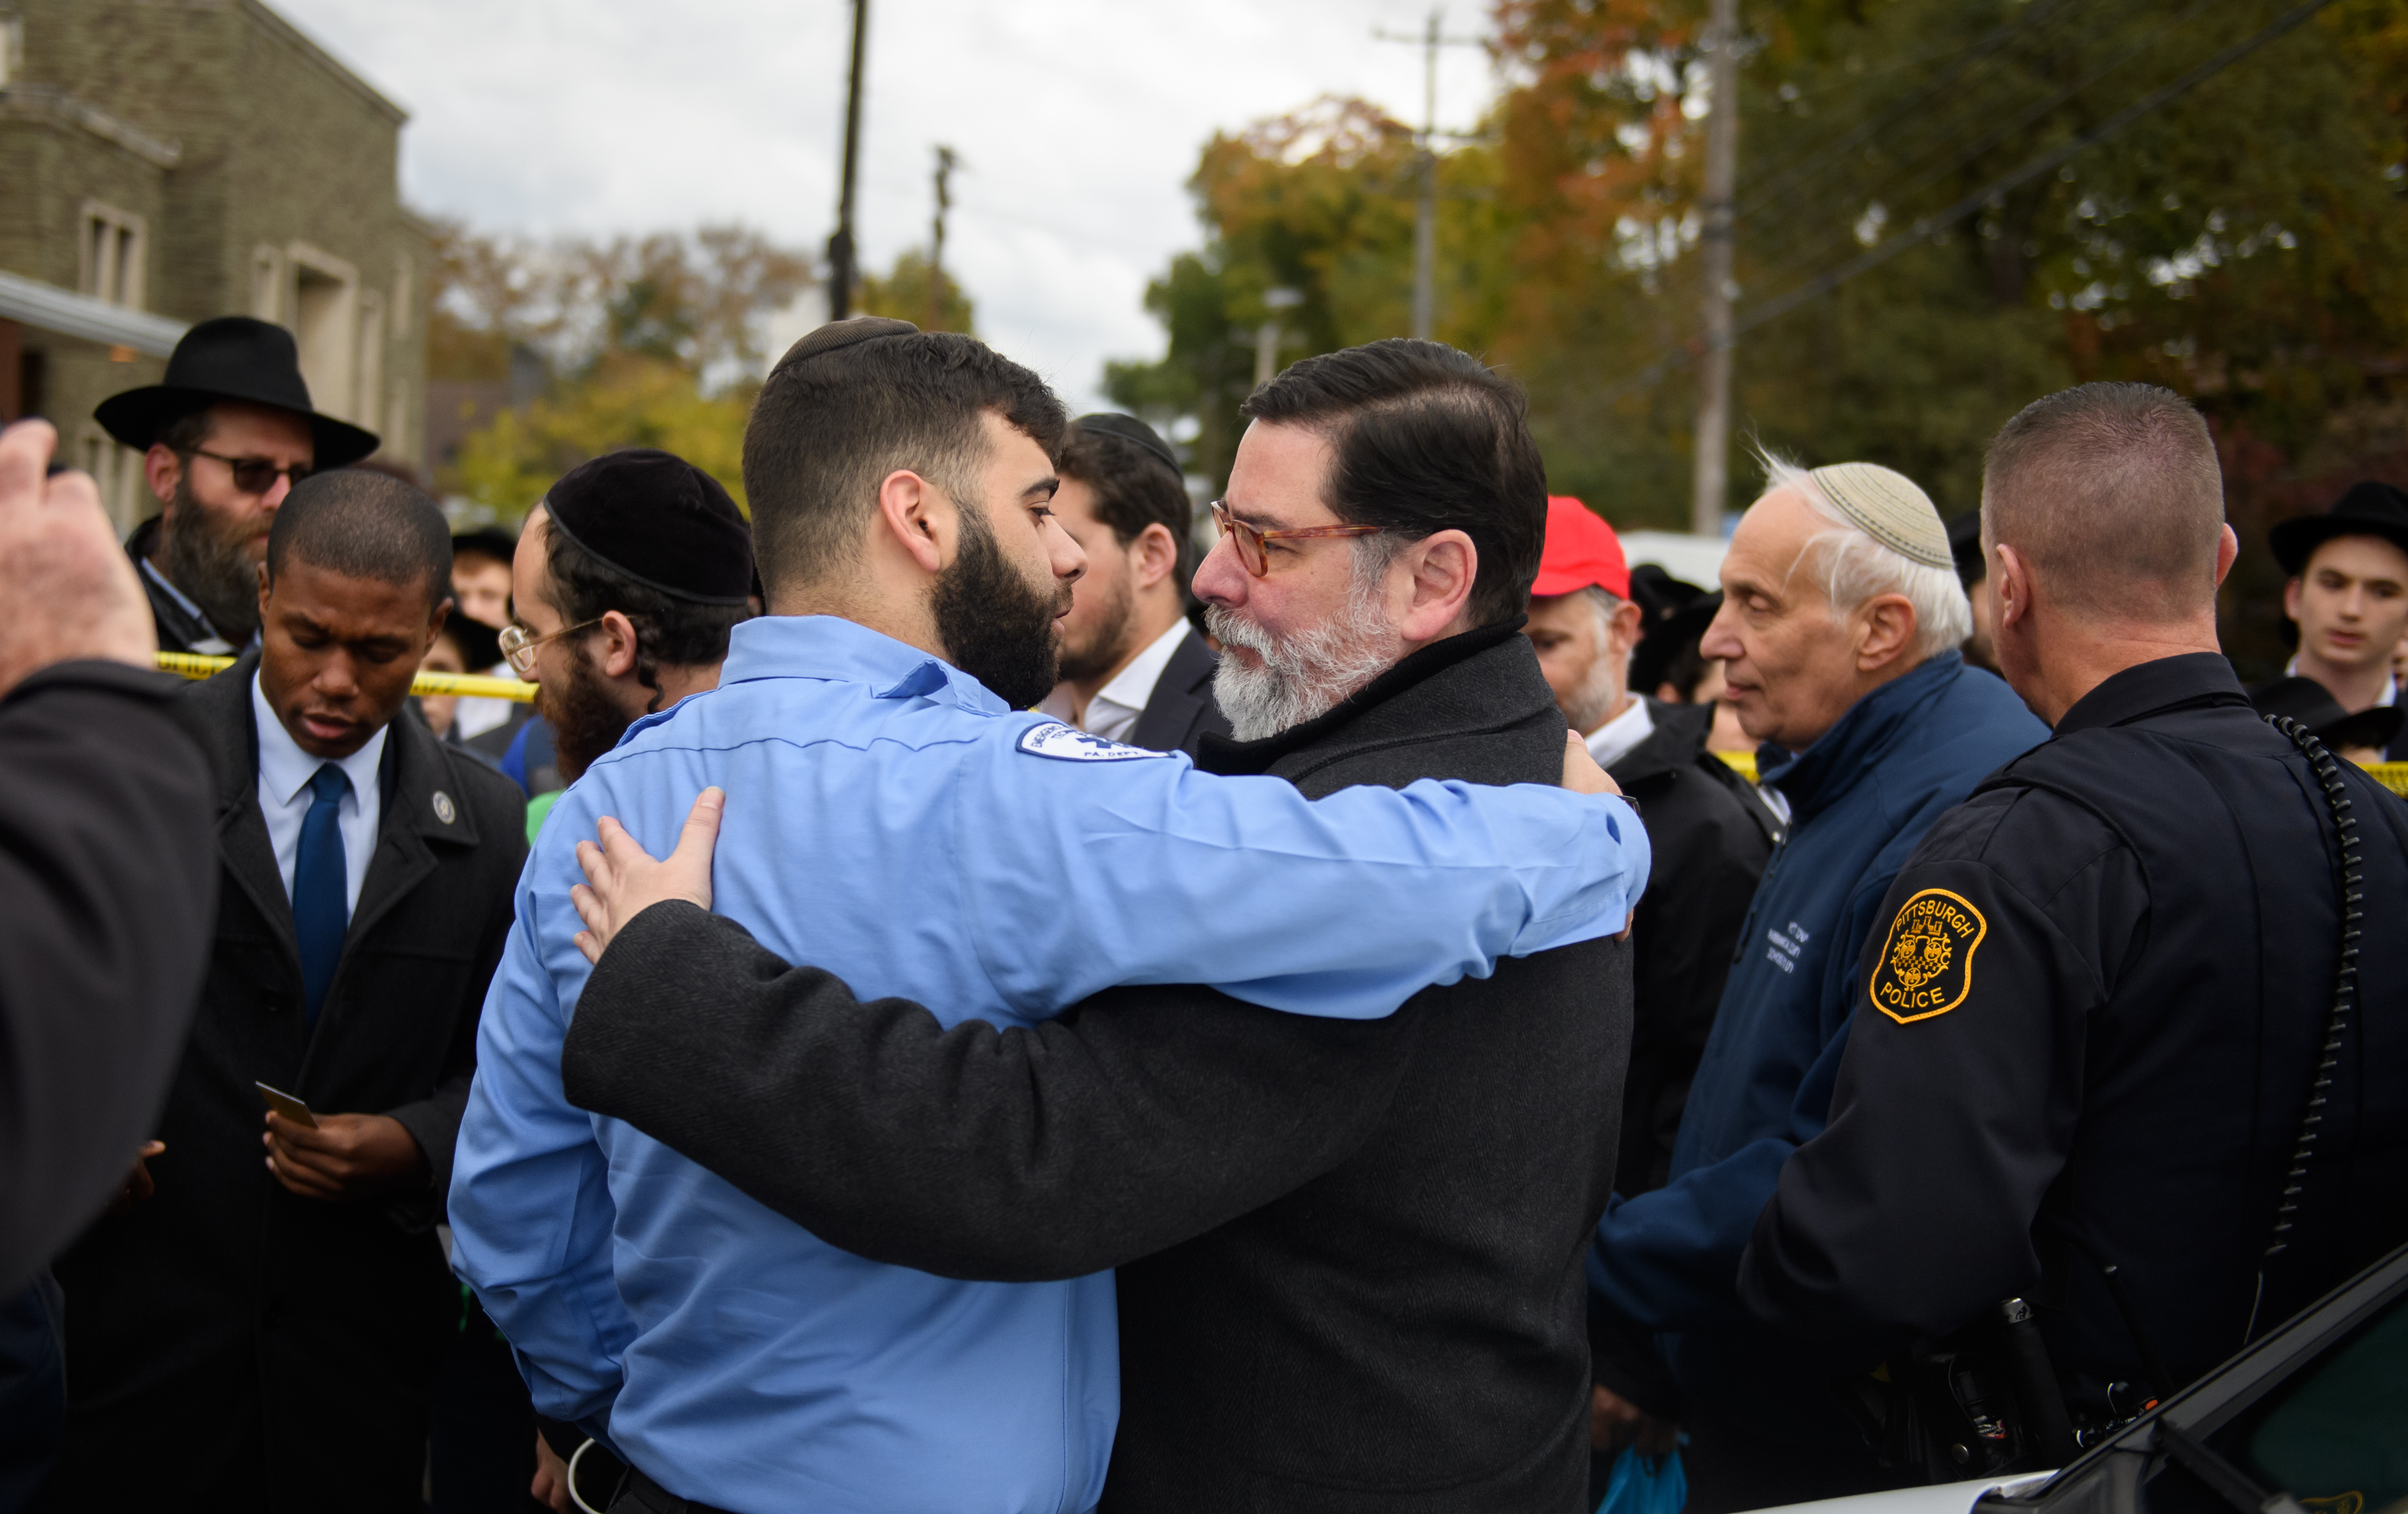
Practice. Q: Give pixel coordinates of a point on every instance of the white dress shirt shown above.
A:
(1620, 736)
(284, 797)
(1113, 713)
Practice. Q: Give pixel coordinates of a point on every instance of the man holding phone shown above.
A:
(259, 1327)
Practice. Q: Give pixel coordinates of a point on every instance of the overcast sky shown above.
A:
(1079, 121)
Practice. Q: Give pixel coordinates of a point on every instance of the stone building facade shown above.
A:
(165, 160)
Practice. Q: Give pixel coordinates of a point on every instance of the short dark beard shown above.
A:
(1107, 643)
(996, 626)
(209, 564)
(585, 722)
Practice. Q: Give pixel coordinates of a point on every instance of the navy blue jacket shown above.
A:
(1860, 799)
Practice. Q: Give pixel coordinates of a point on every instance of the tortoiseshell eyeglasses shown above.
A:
(1251, 539)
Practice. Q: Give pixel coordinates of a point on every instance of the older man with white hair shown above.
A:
(1841, 618)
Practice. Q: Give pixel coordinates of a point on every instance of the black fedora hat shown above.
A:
(231, 358)
(2312, 704)
(2369, 509)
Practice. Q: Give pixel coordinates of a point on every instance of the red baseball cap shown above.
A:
(1582, 549)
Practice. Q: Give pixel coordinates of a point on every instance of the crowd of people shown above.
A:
(952, 995)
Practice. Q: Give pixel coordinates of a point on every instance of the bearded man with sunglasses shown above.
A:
(225, 436)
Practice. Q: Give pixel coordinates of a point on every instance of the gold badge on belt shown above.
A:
(1926, 964)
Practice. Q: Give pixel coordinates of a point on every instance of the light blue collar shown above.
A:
(831, 648)
(285, 769)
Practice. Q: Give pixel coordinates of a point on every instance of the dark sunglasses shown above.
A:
(1250, 540)
(256, 475)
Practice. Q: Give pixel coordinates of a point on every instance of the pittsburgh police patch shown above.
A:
(1926, 964)
(1066, 744)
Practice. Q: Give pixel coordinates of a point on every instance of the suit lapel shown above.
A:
(248, 856)
(1170, 709)
(419, 808)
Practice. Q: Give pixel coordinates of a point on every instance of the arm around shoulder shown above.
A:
(1141, 1118)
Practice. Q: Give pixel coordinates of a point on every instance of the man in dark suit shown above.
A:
(1133, 670)
(1349, 1252)
(224, 436)
(261, 1333)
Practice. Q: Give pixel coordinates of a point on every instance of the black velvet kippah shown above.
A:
(845, 333)
(645, 506)
(1128, 428)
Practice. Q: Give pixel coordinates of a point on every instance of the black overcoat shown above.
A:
(229, 1344)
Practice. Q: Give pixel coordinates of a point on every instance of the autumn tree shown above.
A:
(653, 341)
(1319, 203)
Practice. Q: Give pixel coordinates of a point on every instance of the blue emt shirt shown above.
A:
(889, 820)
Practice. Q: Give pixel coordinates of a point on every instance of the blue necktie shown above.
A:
(321, 912)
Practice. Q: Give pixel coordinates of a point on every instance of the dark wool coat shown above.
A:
(232, 1345)
(1350, 1251)
(108, 885)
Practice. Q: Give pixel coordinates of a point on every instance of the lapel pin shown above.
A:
(444, 809)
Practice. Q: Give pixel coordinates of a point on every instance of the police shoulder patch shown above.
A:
(1067, 744)
(1926, 964)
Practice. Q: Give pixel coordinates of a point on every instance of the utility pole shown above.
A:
(1267, 335)
(1711, 476)
(946, 163)
(842, 248)
(1426, 165)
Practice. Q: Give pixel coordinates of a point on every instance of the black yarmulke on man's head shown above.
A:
(1128, 428)
(649, 507)
(845, 333)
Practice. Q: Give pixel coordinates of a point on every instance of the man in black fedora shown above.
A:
(225, 436)
(2348, 596)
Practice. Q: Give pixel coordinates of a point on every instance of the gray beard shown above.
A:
(1304, 675)
(213, 569)
(1595, 699)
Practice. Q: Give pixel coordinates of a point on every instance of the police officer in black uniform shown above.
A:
(2091, 1025)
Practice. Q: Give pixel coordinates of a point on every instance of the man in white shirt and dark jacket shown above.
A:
(1349, 1252)
(1133, 670)
(261, 1332)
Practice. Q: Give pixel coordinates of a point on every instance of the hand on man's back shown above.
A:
(622, 879)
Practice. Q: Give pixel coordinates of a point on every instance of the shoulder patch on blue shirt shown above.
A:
(1067, 744)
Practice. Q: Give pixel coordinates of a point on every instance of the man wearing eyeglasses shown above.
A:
(224, 436)
(628, 577)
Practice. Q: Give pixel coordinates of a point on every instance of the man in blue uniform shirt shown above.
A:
(892, 818)
(1841, 614)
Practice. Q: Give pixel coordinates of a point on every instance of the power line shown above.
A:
(1988, 139)
(1758, 194)
(1925, 225)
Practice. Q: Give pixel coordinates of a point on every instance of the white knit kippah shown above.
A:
(1887, 507)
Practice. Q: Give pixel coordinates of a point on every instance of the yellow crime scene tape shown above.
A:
(2392, 775)
(474, 685)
